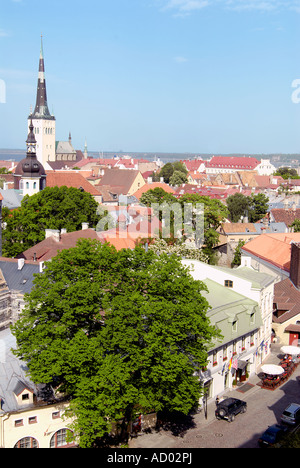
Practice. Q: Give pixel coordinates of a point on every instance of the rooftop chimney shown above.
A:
(21, 262)
(295, 264)
(54, 233)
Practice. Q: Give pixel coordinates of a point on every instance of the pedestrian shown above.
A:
(217, 400)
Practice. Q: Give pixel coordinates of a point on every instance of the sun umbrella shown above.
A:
(272, 369)
(293, 350)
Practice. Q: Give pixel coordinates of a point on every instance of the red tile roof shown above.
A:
(287, 301)
(281, 215)
(48, 248)
(70, 179)
(152, 186)
(233, 162)
(273, 248)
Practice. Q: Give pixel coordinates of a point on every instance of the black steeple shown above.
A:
(41, 110)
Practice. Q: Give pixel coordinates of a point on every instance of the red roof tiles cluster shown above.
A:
(233, 162)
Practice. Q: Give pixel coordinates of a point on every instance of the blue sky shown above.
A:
(199, 76)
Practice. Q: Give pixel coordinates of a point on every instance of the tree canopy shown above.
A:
(254, 207)
(176, 169)
(52, 208)
(287, 173)
(120, 333)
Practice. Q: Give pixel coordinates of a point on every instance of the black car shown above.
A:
(272, 435)
(229, 408)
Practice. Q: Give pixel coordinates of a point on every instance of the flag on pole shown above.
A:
(235, 364)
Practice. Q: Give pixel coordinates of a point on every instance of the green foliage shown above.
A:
(215, 213)
(169, 169)
(254, 207)
(238, 205)
(178, 178)
(237, 254)
(259, 205)
(287, 173)
(119, 332)
(157, 195)
(295, 225)
(52, 208)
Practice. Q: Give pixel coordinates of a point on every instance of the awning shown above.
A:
(242, 364)
(293, 328)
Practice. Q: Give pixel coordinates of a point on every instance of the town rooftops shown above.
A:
(258, 279)
(70, 179)
(284, 215)
(273, 248)
(152, 186)
(18, 276)
(233, 162)
(227, 307)
(49, 247)
(13, 373)
(286, 300)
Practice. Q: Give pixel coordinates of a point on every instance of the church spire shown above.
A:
(41, 108)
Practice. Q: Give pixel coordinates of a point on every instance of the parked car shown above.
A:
(291, 414)
(272, 435)
(229, 408)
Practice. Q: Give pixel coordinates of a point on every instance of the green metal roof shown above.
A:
(259, 280)
(227, 307)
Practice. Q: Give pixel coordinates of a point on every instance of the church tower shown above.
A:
(29, 175)
(43, 121)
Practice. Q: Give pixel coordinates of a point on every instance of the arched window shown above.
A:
(27, 185)
(59, 439)
(27, 442)
(34, 185)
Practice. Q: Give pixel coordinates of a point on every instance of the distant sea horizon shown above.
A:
(276, 158)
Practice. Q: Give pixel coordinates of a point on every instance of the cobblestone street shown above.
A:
(264, 409)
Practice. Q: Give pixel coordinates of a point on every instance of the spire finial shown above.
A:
(42, 53)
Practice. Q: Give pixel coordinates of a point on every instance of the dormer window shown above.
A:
(228, 284)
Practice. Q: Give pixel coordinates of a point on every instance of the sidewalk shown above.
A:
(164, 439)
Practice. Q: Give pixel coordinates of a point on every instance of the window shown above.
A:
(34, 185)
(228, 284)
(27, 442)
(234, 326)
(27, 185)
(32, 420)
(59, 439)
(25, 396)
(18, 422)
(56, 415)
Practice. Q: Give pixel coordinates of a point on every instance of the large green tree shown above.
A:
(52, 208)
(238, 206)
(214, 213)
(287, 173)
(253, 207)
(259, 205)
(119, 332)
(169, 169)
